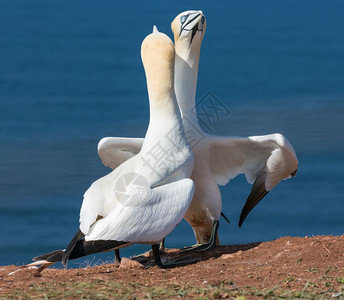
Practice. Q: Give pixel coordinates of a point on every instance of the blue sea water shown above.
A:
(70, 74)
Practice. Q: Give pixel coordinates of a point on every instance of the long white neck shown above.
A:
(186, 71)
(164, 110)
(165, 155)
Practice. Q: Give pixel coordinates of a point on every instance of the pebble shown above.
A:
(226, 256)
(130, 264)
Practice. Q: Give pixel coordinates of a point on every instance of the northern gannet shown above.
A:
(136, 203)
(265, 160)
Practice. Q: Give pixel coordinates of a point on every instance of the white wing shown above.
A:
(113, 151)
(149, 218)
(265, 160)
(98, 202)
(230, 156)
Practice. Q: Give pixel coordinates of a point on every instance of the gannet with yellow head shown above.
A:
(135, 203)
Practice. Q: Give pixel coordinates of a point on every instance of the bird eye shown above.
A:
(182, 19)
(203, 20)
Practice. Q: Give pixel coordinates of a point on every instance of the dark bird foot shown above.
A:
(207, 246)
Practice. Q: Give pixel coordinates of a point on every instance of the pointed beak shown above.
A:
(194, 31)
(258, 192)
(195, 20)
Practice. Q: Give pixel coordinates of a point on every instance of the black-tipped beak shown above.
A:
(258, 192)
(194, 31)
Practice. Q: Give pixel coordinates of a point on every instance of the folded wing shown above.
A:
(149, 218)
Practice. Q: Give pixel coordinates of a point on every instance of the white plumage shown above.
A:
(142, 200)
(231, 156)
(265, 160)
(149, 219)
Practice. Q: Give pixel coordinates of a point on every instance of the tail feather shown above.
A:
(78, 247)
(53, 256)
(82, 248)
(71, 246)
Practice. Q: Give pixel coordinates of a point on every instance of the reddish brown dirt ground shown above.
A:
(292, 263)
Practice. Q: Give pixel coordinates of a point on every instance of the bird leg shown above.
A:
(162, 245)
(206, 246)
(142, 257)
(117, 257)
(176, 263)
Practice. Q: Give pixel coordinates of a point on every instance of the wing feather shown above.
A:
(154, 215)
(231, 156)
(265, 160)
(113, 151)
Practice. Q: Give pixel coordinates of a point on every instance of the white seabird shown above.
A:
(142, 200)
(265, 160)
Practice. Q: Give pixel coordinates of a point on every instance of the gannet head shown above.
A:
(157, 54)
(189, 28)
